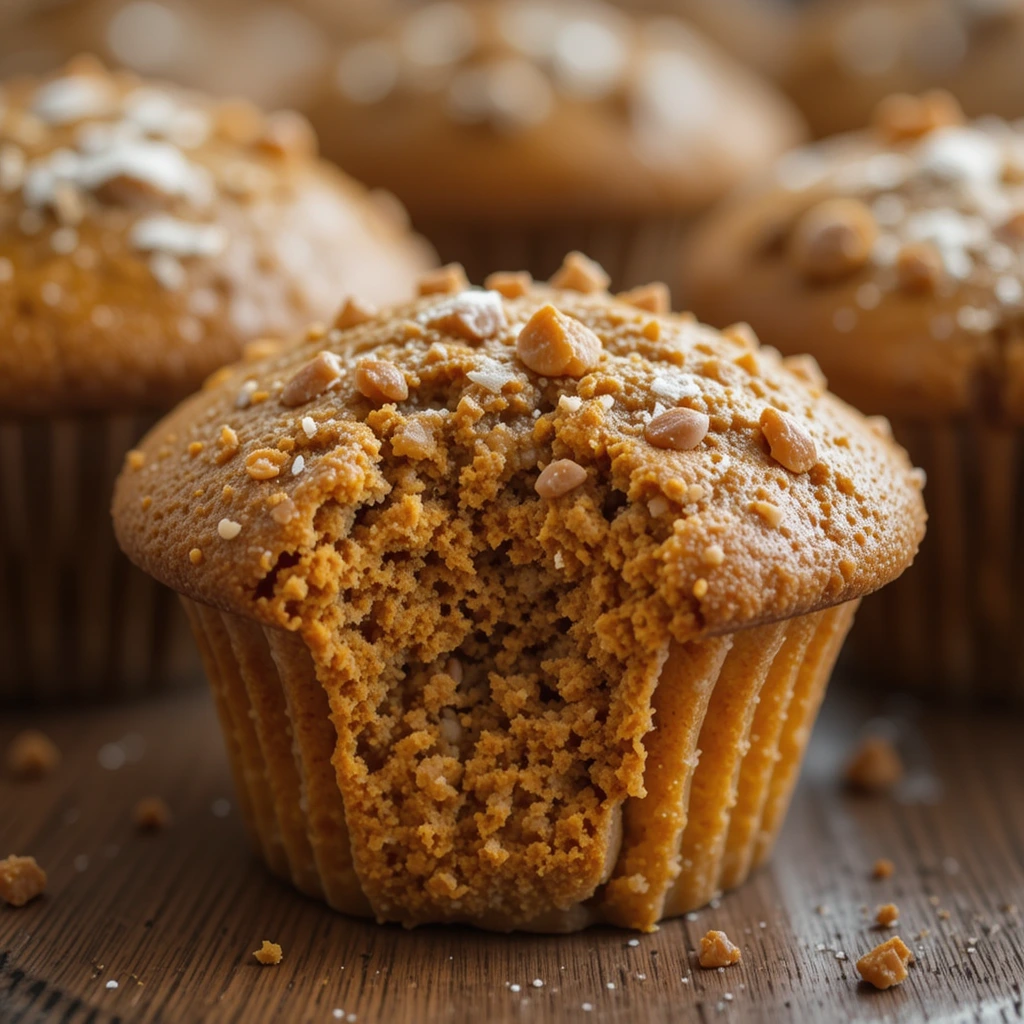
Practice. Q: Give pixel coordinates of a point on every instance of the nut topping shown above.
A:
(312, 380)
(791, 446)
(511, 284)
(833, 239)
(381, 381)
(354, 313)
(560, 477)
(901, 118)
(555, 345)
(472, 315)
(677, 429)
(445, 280)
(653, 297)
(579, 273)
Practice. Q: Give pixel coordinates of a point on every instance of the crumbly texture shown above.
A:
(718, 950)
(883, 868)
(151, 814)
(874, 767)
(269, 954)
(886, 965)
(32, 755)
(888, 914)
(895, 257)
(578, 111)
(21, 880)
(489, 637)
(146, 233)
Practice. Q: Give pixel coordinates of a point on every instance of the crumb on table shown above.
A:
(32, 755)
(21, 880)
(269, 953)
(717, 950)
(874, 767)
(886, 965)
(151, 814)
(888, 914)
(883, 868)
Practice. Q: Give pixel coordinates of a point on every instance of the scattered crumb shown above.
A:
(944, 915)
(888, 914)
(32, 755)
(269, 954)
(875, 766)
(883, 868)
(21, 880)
(885, 965)
(716, 950)
(151, 814)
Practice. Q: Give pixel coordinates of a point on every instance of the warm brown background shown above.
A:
(174, 918)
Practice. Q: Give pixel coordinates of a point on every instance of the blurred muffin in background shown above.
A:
(146, 234)
(850, 54)
(515, 131)
(895, 257)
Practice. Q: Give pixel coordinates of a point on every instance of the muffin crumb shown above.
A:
(887, 915)
(874, 767)
(269, 954)
(511, 284)
(717, 950)
(834, 239)
(579, 273)
(791, 446)
(446, 280)
(560, 477)
(554, 345)
(885, 965)
(151, 814)
(883, 868)
(353, 313)
(21, 880)
(677, 429)
(32, 755)
(653, 297)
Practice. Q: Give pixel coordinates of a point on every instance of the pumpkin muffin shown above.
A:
(896, 258)
(850, 54)
(516, 130)
(146, 234)
(518, 603)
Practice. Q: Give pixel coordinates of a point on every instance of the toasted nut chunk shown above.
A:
(445, 280)
(885, 965)
(791, 446)
(21, 880)
(770, 513)
(381, 381)
(883, 868)
(414, 440)
(511, 284)
(713, 555)
(470, 315)
(269, 954)
(288, 134)
(195, 556)
(677, 429)
(151, 814)
(653, 297)
(717, 950)
(875, 766)
(353, 313)
(743, 334)
(555, 345)
(560, 477)
(265, 463)
(901, 117)
(579, 273)
(833, 239)
(313, 379)
(919, 268)
(32, 755)
(888, 914)
(134, 459)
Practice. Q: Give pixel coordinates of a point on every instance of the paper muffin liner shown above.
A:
(77, 620)
(953, 624)
(732, 718)
(632, 252)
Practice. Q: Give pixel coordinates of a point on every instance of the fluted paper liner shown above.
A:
(732, 719)
(77, 620)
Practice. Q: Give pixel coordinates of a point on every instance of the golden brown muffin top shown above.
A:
(851, 54)
(895, 257)
(555, 426)
(146, 233)
(507, 109)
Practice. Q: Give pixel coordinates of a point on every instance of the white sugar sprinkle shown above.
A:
(229, 529)
(161, 233)
(298, 465)
(514, 988)
(570, 403)
(309, 427)
(633, 942)
(111, 984)
(537, 983)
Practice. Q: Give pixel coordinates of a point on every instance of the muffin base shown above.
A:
(77, 620)
(732, 719)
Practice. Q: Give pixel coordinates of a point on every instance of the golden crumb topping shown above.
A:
(717, 950)
(21, 880)
(32, 755)
(886, 965)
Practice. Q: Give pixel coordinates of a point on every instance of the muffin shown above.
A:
(146, 234)
(515, 131)
(518, 603)
(894, 257)
(850, 54)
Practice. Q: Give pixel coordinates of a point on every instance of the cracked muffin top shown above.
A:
(520, 108)
(894, 256)
(146, 233)
(688, 478)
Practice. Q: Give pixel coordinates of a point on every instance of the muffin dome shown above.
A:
(468, 536)
(146, 233)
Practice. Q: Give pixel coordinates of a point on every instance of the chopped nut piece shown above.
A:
(885, 965)
(313, 379)
(771, 514)
(445, 280)
(32, 755)
(888, 914)
(677, 429)
(265, 463)
(269, 954)
(511, 284)
(807, 369)
(579, 273)
(874, 767)
(717, 950)
(555, 345)
(151, 814)
(901, 117)
(653, 297)
(833, 239)
(381, 381)
(560, 477)
(21, 880)
(135, 459)
(353, 313)
(470, 315)
(743, 334)
(229, 529)
(195, 556)
(228, 437)
(288, 134)
(700, 588)
(883, 868)
(713, 555)
(791, 446)
(919, 268)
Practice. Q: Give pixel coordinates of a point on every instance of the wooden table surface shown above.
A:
(162, 927)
